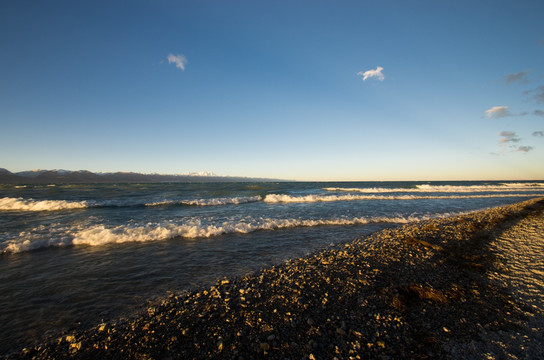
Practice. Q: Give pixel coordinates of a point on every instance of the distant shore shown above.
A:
(88, 177)
(432, 289)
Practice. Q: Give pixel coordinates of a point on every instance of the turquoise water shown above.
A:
(72, 255)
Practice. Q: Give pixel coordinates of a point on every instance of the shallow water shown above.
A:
(75, 254)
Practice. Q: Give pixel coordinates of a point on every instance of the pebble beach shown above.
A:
(468, 286)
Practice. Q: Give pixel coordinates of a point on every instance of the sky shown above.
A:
(298, 90)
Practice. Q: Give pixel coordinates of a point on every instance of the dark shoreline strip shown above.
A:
(410, 292)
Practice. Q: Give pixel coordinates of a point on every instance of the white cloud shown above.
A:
(377, 73)
(538, 133)
(179, 59)
(497, 112)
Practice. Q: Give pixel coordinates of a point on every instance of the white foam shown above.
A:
(39, 237)
(281, 198)
(525, 185)
(99, 235)
(448, 188)
(20, 204)
(481, 188)
(209, 202)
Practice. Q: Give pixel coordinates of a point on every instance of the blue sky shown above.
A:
(453, 89)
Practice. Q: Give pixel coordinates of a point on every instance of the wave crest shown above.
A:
(99, 235)
(281, 198)
(426, 188)
(209, 202)
(20, 204)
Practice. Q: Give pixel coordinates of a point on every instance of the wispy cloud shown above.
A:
(536, 113)
(508, 137)
(497, 112)
(520, 77)
(376, 73)
(524, 149)
(538, 133)
(179, 59)
(537, 94)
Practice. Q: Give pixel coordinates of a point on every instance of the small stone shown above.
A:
(340, 331)
(220, 346)
(102, 327)
(264, 346)
(271, 337)
(311, 357)
(69, 338)
(75, 346)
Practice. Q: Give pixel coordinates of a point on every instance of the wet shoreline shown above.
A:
(415, 291)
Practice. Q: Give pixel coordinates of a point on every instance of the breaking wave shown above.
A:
(209, 202)
(98, 235)
(425, 188)
(281, 198)
(20, 204)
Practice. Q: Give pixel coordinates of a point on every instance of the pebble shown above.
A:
(69, 338)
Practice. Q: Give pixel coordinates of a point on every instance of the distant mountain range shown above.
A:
(84, 176)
